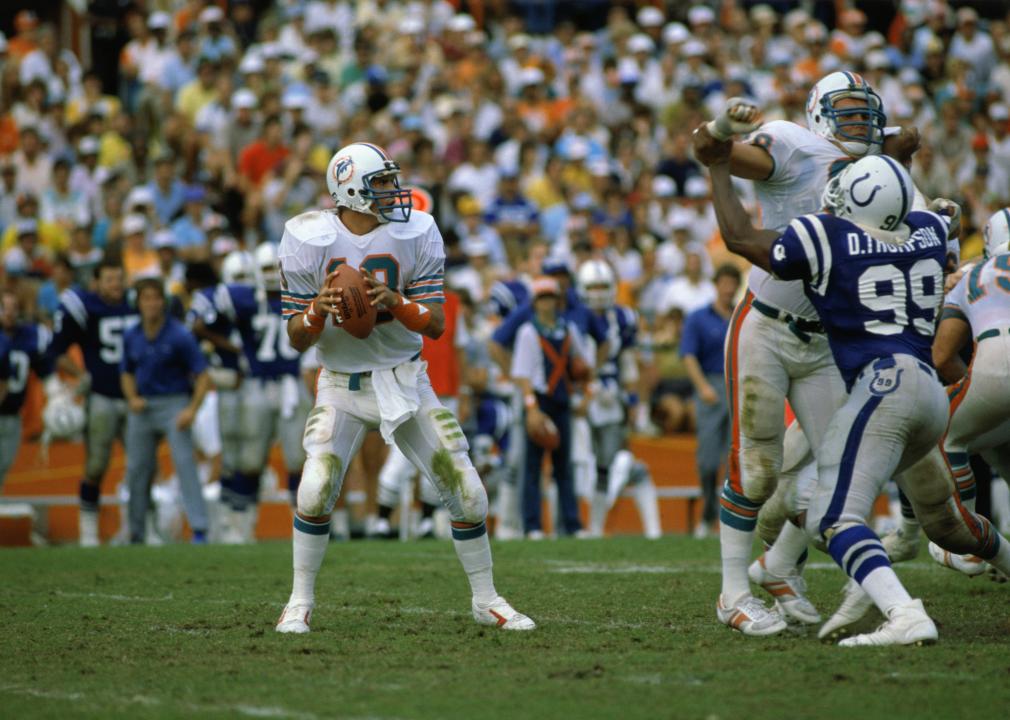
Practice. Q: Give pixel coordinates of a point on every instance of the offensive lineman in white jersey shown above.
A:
(786, 352)
(377, 382)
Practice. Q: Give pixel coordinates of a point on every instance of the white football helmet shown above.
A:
(266, 261)
(238, 268)
(349, 178)
(859, 130)
(597, 285)
(62, 417)
(876, 194)
(997, 234)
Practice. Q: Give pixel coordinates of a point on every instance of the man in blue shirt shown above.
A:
(164, 380)
(701, 346)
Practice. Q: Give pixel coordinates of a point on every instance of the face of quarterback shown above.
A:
(384, 183)
(110, 284)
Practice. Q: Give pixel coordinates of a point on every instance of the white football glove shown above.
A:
(943, 206)
(739, 117)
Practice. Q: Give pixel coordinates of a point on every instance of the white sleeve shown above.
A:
(429, 274)
(581, 346)
(524, 354)
(780, 139)
(299, 284)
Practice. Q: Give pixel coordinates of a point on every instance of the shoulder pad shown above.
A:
(311, 228)
(419, 224)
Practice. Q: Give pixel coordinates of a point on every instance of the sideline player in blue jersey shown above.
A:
(874, 272)
(27, 346)
(275, 402)
(95, 322)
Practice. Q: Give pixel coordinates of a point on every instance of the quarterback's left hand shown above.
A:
(380, 294)
(902, 145)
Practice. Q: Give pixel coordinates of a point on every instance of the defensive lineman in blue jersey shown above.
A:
(95, 321)
(612, 403)
(874, 272)
(275, 402)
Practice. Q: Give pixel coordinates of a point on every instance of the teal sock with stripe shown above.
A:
(964, 477)
(737, 521)
(308, 543)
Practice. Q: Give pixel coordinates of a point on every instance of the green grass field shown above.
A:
(627, 630)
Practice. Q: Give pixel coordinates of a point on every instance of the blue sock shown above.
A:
(858, 551)
(89, 496)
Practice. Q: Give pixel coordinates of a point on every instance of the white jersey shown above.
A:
(408, 257)
(982, 296)
(803, 164)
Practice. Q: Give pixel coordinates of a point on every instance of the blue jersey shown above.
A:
(506, 295)
(874, 299)
(575, 312)
(263, 331)
(29, 348)
(621, 326)
(84, 319)
(204, 307)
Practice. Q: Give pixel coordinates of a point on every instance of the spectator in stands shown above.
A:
(164, 379)
(35, 167)
(49, 291)
(702, 349)
(263, 155)
(168, 192)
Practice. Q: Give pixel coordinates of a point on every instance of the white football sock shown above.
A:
(308, 549)
(597, 514)
(475, 557)
(886, 590)
(647, 501)
(87, 522)
(736, 549)
(785, 552)
(910, 527)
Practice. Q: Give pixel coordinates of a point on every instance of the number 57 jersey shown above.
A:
(874, 299)
(408, 257)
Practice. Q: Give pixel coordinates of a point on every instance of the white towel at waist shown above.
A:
(396, 395)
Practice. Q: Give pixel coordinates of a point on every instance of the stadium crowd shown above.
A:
(532, 131)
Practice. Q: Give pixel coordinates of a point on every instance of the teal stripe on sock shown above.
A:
(471, 533)
(312, 528)
(736, 522)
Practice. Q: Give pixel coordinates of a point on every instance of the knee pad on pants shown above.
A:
(320, 485)
(760, 417)
(459, 486)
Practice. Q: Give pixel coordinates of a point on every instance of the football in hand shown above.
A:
(545, 434)
(355, 307)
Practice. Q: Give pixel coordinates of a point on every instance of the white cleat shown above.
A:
(899, 546)
(295, 618)
(789, 592)
(967, 564)
(750, 616)
(500, 614)
(854, 607)
(907, 624)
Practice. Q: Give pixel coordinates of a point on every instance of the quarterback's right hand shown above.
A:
(709, 151)
(327, 302)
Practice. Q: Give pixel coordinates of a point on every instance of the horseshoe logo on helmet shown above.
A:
(873, 193)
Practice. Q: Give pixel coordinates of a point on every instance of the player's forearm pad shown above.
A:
(412, 315)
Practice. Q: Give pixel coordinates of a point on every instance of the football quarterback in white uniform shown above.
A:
(377, 382)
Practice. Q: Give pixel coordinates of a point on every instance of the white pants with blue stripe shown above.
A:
(895, 414)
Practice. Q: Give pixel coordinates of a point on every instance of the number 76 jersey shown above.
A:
(408, 257)
(874, 299)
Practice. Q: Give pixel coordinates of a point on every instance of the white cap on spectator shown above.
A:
(700, 14)
(461, 22)
(873, 39)
(815, 32)
(308, 56)
(244, 98)
(159, 21)
(877, 60)
(675, 32)
(762, 14)
(28, 227)
(641, 43)
(213, 221)
(519, 41)
(134, 224)
(794, 18)
(211, 14)
(399, 107)
(475, 247)
(530, 76)
(251, 64)
(577, 149)
(163, 239)
(900, 109)
(411, 26)
(967, 15)
(693, 48)
(140, 195)
(779, 56)
(599, 168)
(696, 187)
(909, 76)
(223, 245)
(16, 261)
(998, 111)
(650, 16)
(88, 145)
(295, 101)
(271, 51)
(663, 186)
(445, 106)
(583, 201)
